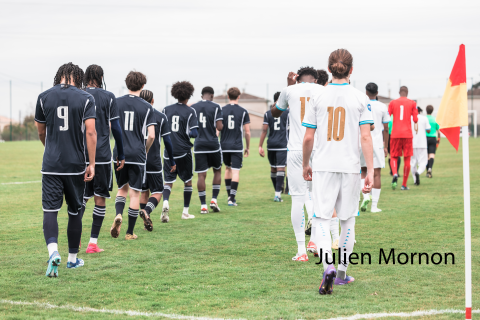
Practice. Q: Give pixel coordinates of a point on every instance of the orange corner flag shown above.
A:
(453, 111)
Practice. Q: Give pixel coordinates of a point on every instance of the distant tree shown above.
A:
(22, 131)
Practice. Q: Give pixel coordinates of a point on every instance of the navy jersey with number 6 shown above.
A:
(162, 128)
(106, 108)
(278, 131)
(64, 110)
(234, 117)
(182, 119)
(136, 116)
(208, 113)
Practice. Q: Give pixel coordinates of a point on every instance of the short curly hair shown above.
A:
(182, 90)
(322, 77)
(135, 80)
(307, 71)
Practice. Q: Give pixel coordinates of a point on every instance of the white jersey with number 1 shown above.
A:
(297, 97)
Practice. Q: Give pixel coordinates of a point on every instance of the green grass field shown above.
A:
(237, 263)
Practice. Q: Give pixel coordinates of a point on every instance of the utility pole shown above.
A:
(166, 95)
(11, 110)
(266, 100)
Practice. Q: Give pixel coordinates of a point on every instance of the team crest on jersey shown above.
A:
(369, 107)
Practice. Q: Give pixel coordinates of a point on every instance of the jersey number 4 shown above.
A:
(203, 120)
(336, 115)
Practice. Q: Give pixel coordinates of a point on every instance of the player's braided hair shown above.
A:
(307, 71)
(147, 95)
(182, 90)
(340, 62)
(94, 76)
(70, 72)
(322, 77)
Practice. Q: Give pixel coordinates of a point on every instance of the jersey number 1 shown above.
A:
(302, 112)
(334, 118)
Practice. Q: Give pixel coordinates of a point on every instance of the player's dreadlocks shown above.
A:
(307, 71)
(182, 90)
(94, 76)
(70, 72)
(147, 95)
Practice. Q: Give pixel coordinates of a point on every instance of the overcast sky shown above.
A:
(249, 44)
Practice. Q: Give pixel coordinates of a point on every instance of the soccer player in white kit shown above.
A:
(336, 112)
(420, 153)
(381, 119)
(296, 96)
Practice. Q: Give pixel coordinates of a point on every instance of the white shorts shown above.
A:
(297, 186)
(335, 190)
(378, 158)
(420, 157)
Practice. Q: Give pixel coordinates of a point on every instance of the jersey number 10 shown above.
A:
(334, 117)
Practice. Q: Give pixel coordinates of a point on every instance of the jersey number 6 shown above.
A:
(334, 118)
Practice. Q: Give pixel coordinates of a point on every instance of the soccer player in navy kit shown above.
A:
(136, 118)
(154, 182)
(63, 113)
(101, 185)
(231, 140)
(184, 124)
(276, 147)
(208, 152)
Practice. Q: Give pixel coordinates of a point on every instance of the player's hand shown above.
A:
(247, 153)
(307, 173)
(292, 78)
(174, 168)
(368, 183)
(262, 153)
(385, 150)
(89, 173)
(120, 164)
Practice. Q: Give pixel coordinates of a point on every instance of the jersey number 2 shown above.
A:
(62, 113)
(276, 124)
(334, 118)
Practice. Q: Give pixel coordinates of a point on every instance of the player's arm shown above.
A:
(41, 121)
(291, 78)
(219, 126)
(281, 105)
(367, 149)
(151, 137)
(262, 139)
(169, 147)
(246, 128)
(91, 137)
(385, 139)
(415, 113)
(117, 135)
(307, 152)
(42, 131)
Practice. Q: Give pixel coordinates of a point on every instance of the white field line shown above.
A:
(22, 182)
(176, 316)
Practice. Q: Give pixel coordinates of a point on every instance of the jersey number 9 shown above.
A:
(231, 123)
(62, 113)
(175, 125)
(334, 118)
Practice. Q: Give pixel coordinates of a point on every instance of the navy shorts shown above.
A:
(205, 161)
(184, 169)
(233, 159)
(102, 182)
(131, 174)
(55, 186)
(277, 159)
(153, 183)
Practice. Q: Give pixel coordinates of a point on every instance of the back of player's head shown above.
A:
(147, 95)
(304, 71)
(233, 93)
(372, 88)
(208, 90)
(276, 95)
(420, 110)
(429, 109)
(182, 90)
(322, 77)
(404, 90)
(135, 80)
(70, 72)
(93, 76)
(340, 63)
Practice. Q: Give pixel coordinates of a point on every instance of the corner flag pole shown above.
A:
(468, 240)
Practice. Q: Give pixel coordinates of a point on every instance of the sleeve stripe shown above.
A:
(193, 127)
(386, 121)
(40, 120)
(366, 122)
(308, 125)
(151, 124)
(276, 106)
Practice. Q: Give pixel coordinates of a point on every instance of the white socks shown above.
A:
(298, 222)
(93, 240)
(52, 247)
(277, 194)
(185, 210)
(323, 241)
(334, 230)
(347, 240)
(308, 205)
(375, 198)
(165, 203)
(72, 257)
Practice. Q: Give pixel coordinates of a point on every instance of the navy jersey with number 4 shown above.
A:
(162, 128)
(278, 131)
(136, 116)
(64, 109)
(234, 117)
(182, 119)
(106, 108)
(208, 113)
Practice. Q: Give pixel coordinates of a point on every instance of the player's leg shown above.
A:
(377, 188)
(202, 193)
(155, 185)
(217, 180)
(227, 160)
(280, 158)
(185, 172)
(144, 197)
(408, 153)
(237, 162)
(98, 216)
(432, 148)
(395, 154)
(366, 197)
(334, 230)
(422, 161)
(170, 178)
(273, 168)
(52, 200)
(133, 209)
(121, 198)
(413, 165)
(74, 187)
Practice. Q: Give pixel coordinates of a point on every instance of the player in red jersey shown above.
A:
(402, 109)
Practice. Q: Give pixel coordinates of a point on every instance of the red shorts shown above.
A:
(397, 145)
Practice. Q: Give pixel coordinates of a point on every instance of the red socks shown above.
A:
(406, 170)
(394, 165)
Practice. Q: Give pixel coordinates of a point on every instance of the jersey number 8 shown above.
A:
(62, 113)
(175, 125)
(334, 118)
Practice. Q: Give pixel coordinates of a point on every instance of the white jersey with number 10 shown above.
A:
(336, 113)
(297, 97)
